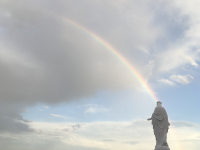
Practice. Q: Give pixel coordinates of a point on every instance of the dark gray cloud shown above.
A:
(73, 127)
(50, 60)
(45, 59)
(11, 120)
(11, 125)
(76, 126)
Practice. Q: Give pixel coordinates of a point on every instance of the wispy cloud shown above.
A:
(94, 108)
(109, 140)
(132, 142)
(166, 81)
(91, 105)
(57, 116)
(192, 61)
(182, 79)
(46, 106)
(77, 126)
(72, 127)
(179, 124)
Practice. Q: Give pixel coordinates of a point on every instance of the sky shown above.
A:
(67, 79)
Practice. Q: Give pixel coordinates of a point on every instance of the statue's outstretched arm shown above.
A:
(149, 119)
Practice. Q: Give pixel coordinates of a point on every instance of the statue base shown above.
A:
(161, 148)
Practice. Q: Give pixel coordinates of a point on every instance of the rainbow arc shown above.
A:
(118, 55)
(123, 60)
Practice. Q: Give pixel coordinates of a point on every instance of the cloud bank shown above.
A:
(103, 136)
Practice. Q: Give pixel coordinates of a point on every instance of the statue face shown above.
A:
(159, 104)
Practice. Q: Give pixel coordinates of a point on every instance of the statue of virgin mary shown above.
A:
(160, 126)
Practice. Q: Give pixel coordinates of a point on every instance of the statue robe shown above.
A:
(160, 125)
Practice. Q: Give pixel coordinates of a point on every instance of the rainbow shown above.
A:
(117, 54)
(123, 60)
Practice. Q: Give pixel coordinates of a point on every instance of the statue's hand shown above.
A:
(149, 119)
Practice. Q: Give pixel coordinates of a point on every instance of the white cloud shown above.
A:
(96, 110)
(166, 81)
(105, 135)
(182, 79)
(171, 59)
(184, 15)
(192, 61)
(46, 106)
(57, 115)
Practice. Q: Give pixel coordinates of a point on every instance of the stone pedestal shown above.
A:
(161, 148)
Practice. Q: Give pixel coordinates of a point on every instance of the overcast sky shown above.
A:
(60, 88)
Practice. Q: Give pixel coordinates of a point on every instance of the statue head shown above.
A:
(159, 104)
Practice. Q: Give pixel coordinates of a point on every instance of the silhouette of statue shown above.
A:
(160, 126)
